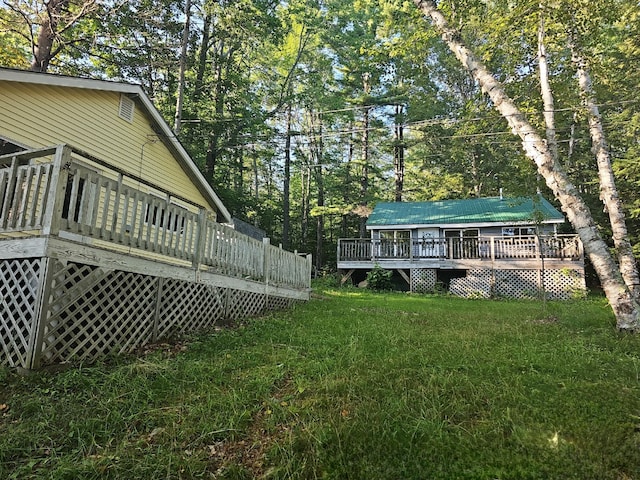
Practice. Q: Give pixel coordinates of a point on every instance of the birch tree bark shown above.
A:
(625, 308)
(545, 89)
(608, 191)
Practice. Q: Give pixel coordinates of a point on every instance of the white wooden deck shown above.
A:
(92, 263)
(494, 252)
(114, 211)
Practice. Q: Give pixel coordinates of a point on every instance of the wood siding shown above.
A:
(38, 116)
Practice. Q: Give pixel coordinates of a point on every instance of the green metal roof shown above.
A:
(471, 211)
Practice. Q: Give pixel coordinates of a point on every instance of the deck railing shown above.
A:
(45, 192)
(567, 247)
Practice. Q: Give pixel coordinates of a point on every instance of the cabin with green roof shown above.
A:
(484, 247)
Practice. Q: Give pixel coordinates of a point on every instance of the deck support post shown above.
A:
(404, 275)
(346, 277)
(227, 303)
(40, 314)
(156, 314)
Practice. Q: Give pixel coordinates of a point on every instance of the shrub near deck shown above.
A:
(352, 385)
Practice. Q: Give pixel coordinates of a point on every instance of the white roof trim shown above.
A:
(168, 136)
(457, 225)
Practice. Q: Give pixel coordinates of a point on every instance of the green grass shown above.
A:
(352, 385)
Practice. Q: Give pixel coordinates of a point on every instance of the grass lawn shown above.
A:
(352, 385)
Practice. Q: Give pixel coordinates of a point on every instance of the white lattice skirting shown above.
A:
(477, 284)
(423, 280)
(557, 284)
(53, 311)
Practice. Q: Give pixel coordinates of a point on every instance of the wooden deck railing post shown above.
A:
(309, 269)
(9, 194)
(266, 260)
(200, 235)
(540, 255)
(116, 209)
(57, 189)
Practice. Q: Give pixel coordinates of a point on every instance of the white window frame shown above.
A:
(525, 231)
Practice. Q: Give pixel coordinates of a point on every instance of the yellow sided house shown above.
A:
(110, 237)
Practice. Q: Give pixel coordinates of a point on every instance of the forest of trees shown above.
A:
(303, 114)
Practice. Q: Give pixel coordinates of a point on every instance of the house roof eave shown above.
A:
(168, 137)
(414, 226)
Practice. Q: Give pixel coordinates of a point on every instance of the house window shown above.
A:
(395, 234)
(518, 231)
(465, 233)
(126, 108)
(462, 243)
(394, 243)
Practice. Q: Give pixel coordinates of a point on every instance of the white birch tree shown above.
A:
(608, 190)
(625, 308)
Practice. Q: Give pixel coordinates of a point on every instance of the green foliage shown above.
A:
(354, 384)
(379, 278)
(261, 72)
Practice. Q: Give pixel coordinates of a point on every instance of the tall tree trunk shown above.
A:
(475, 173)
(318, 148)
(218, 102)
(364, 178)
(202, 57)
(398, 153)
(545, 90)
(177, 121)
(286, 183)
(608, 191)
(572, 141)
(622, 302)
(238, 176)
(43, 49)
(256, 175)
(305, 185)
(346, 198)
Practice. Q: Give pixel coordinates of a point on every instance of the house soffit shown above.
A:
(458, 225)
